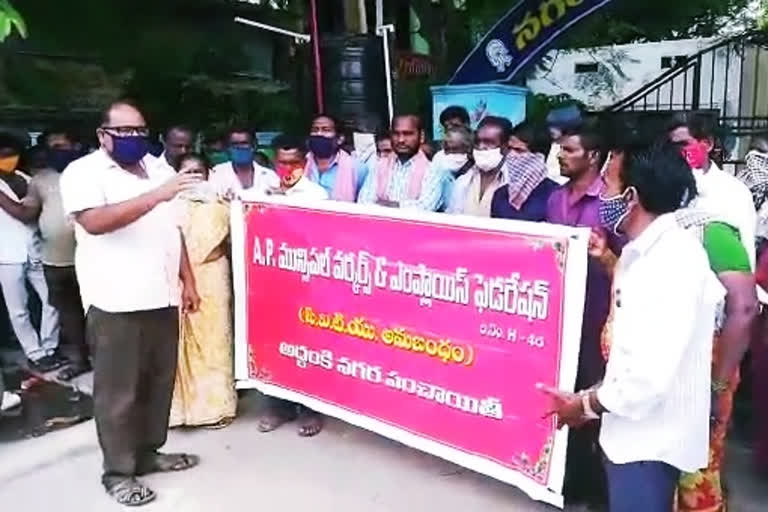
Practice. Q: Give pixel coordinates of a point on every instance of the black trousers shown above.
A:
(134, 358)
(64, 295)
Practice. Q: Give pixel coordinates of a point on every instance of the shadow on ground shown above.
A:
(46, 407)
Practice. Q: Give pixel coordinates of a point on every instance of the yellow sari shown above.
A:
(204, 394)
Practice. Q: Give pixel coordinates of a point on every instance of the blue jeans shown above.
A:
(641, 486)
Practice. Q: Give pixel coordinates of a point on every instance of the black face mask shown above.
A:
(322, 147)
(59, 159)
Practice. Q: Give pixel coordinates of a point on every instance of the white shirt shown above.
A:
(18, 238)
(307, 189)
(657, 382)
(727, 198)
(225, 180)
(304, 188)
(135, 268)
(162, 161)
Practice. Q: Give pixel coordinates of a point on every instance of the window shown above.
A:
(585, 67)
(670, 62)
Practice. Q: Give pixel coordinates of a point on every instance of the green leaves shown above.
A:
(10, 18)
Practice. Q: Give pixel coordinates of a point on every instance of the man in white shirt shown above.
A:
(655, 398)
(291, 161)
(719, 193)
(130, 261)
(290, 166)
(20, 261)
(177, 142)
(242, 172)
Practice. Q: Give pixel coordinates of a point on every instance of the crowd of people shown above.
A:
(129, 256)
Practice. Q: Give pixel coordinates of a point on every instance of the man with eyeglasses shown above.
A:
(242, 172)
(130, 260)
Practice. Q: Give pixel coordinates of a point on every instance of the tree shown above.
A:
(183, 60)
(10, 19)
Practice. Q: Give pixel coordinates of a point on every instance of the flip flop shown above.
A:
(224, 423)
(168, 463)
(72, 371)
(129, 492)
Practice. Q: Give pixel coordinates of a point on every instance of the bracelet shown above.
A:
(719, 386)
(587, 406)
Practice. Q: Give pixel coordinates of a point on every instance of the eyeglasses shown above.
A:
(126, 131)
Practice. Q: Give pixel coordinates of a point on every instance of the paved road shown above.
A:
(343, 469)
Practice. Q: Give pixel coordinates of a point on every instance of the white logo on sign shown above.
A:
(498, 55)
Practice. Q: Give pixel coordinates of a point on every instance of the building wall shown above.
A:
(608, 74)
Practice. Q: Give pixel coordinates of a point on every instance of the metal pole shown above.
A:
(383, 31)
(316, 55)
(304, 38)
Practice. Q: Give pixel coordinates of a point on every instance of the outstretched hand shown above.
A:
(182, 182)
(566, 406)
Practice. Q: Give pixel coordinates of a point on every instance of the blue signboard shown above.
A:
(519, 37)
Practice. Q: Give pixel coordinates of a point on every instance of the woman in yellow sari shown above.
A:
(205, 393)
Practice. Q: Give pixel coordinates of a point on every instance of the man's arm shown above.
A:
(730, 261)
(431, 196)
(106, 219)
(18, 210)
(740, 314)
(109, 218)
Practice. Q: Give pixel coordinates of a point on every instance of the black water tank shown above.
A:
(353, 78)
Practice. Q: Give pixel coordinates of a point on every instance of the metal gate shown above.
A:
(728, 79)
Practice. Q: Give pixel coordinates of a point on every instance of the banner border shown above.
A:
(575, 285)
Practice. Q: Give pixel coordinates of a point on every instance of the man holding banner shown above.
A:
(655, 412)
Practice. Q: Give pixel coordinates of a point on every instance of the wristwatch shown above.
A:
(718, 386)
(587, 406)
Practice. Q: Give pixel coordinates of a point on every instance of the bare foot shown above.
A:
(272, 421)
(310, 423)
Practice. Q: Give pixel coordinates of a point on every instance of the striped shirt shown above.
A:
(657, 382)
(432, 187)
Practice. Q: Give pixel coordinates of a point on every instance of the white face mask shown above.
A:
(487, 159)
(454, 161)
(202, 192)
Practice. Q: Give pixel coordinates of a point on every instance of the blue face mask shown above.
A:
(613, 211)
(129, 150)
(241, 156)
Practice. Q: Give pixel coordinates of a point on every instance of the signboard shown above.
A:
(429, 329)
(519, 37)
(414, 65)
